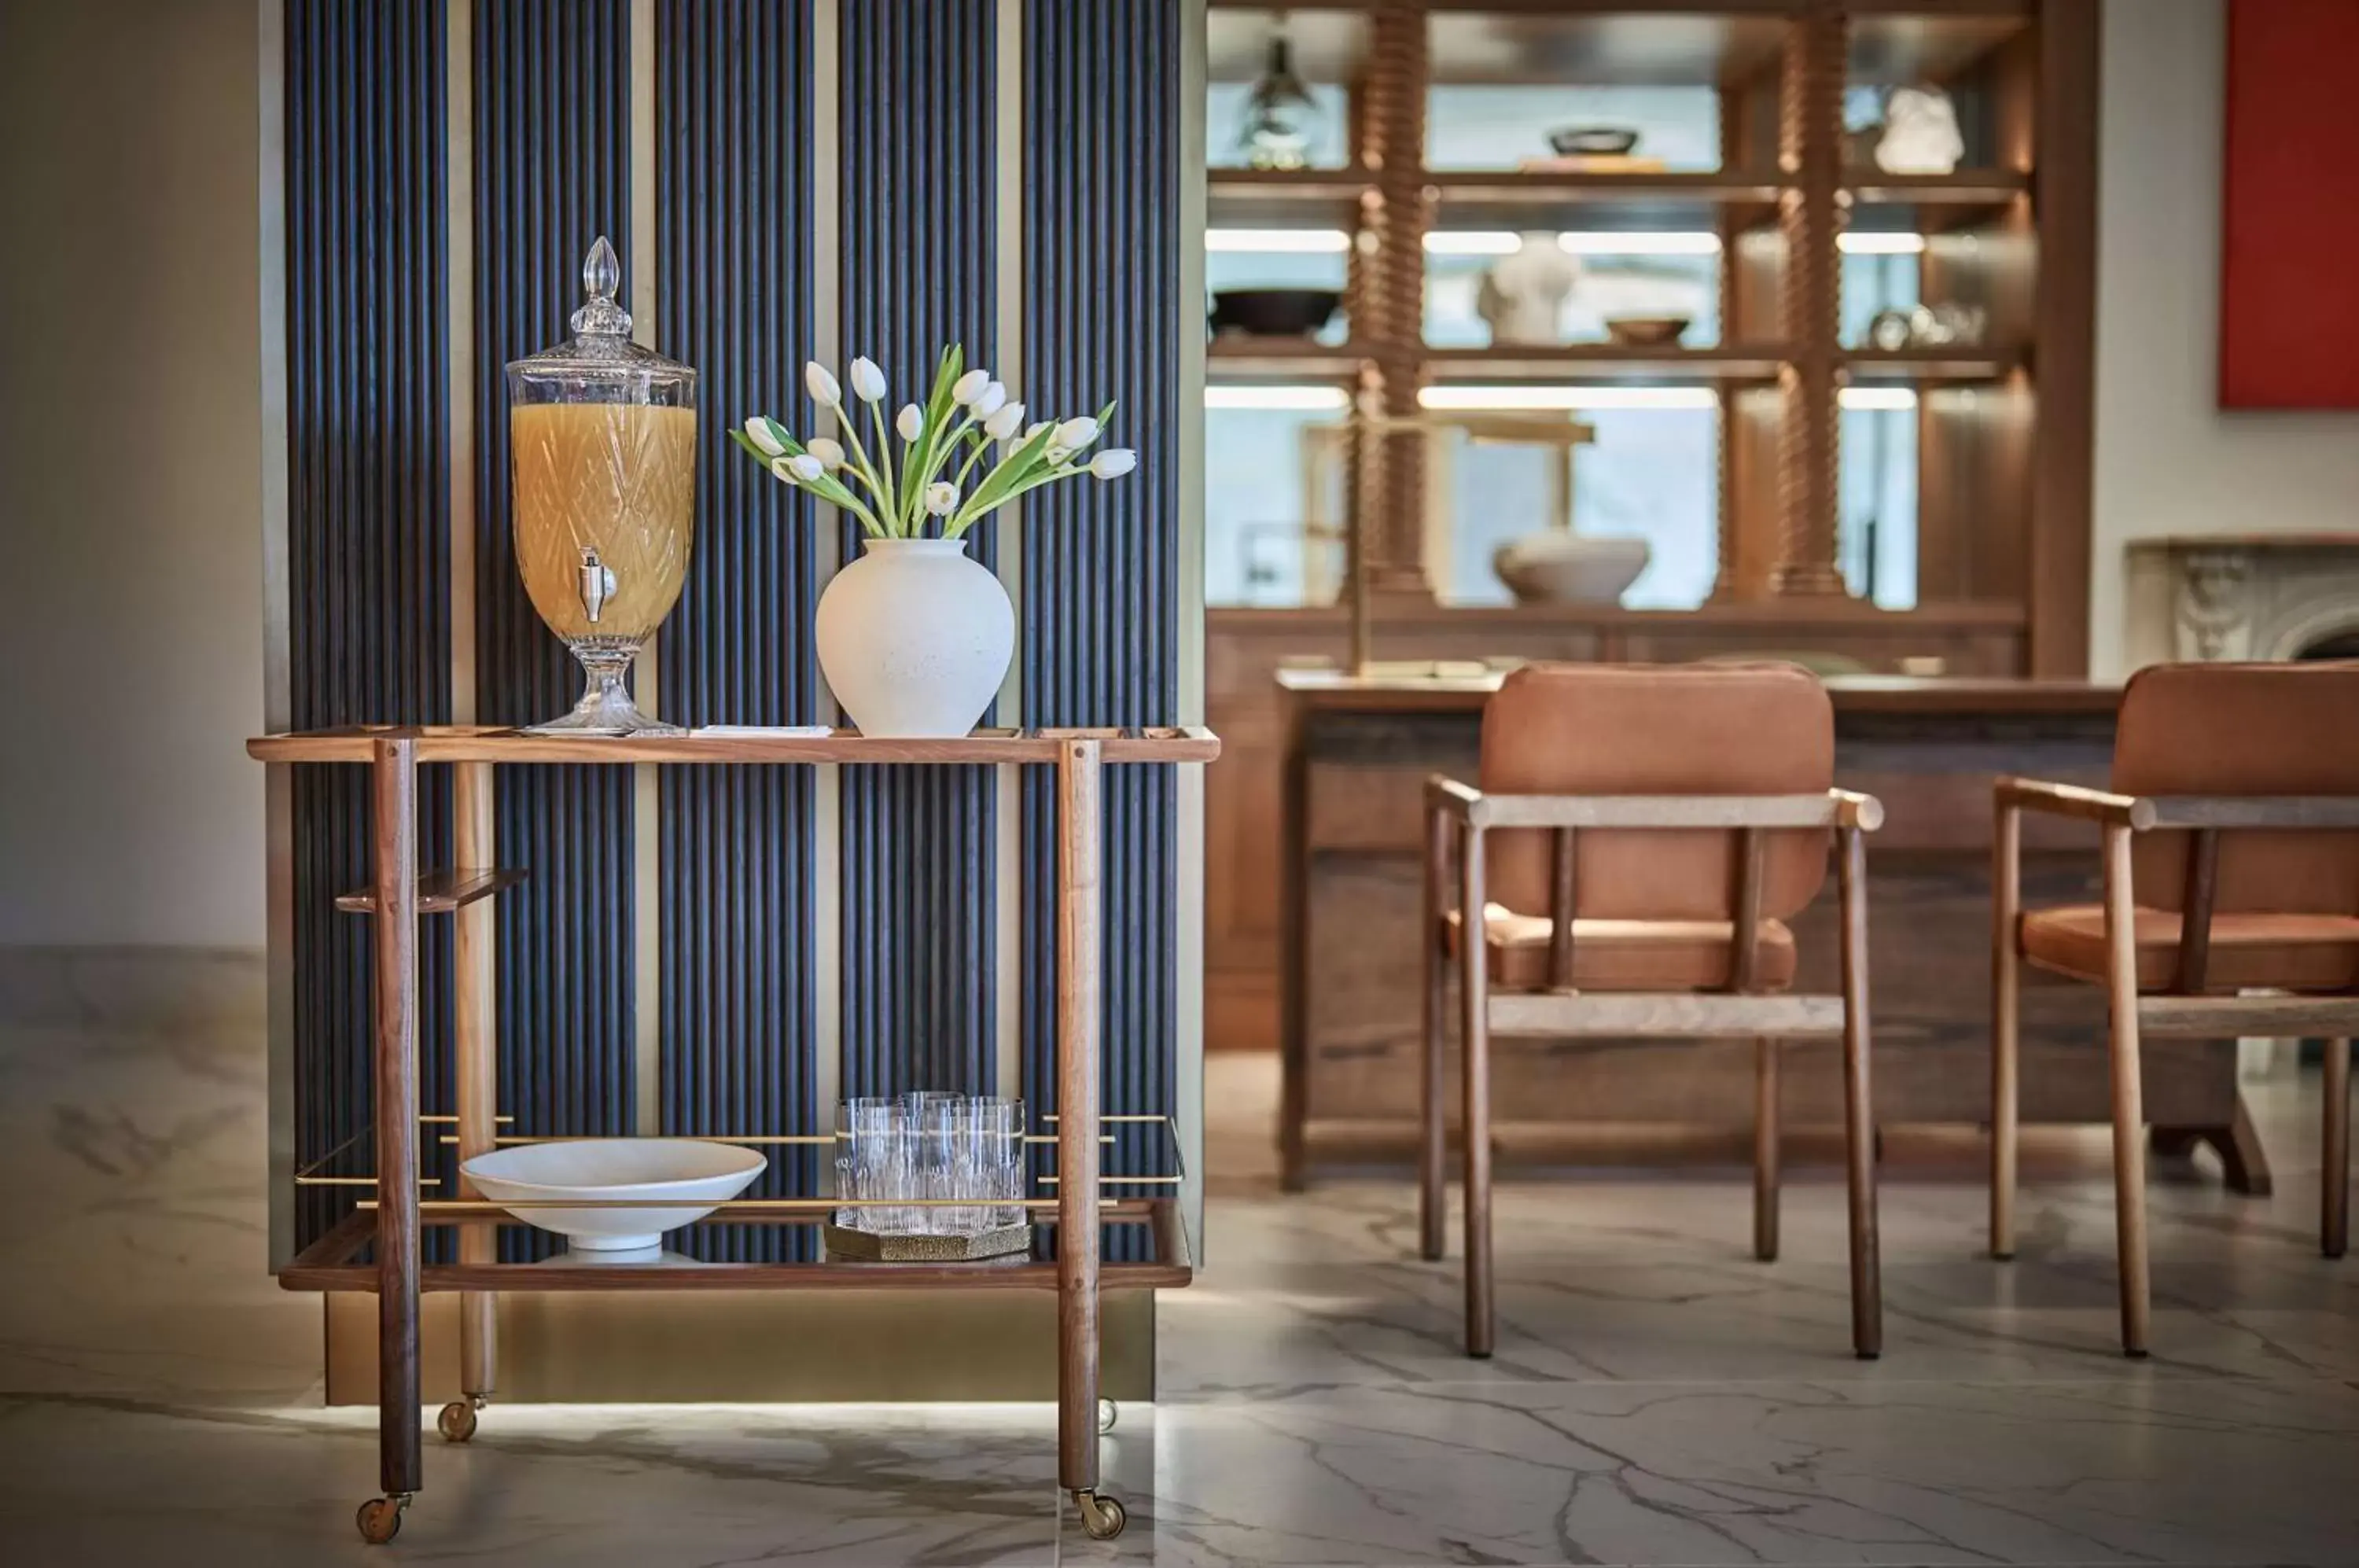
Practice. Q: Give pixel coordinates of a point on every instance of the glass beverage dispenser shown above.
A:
(602, 441)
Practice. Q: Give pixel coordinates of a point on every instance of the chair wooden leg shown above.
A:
(2129, 1109)
(1765, 1150)
(1433, 1197)
(1859, 1108)
(2334, 1205)
(1474, 1124)
(2006, 998)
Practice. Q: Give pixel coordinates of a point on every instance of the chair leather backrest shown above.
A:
(2244, 729)
(1634, 729)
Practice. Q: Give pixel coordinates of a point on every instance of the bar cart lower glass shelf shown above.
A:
(377, 1247)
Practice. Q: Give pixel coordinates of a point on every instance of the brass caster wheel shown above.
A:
(380, 1518)
(1108, 1413)
(1102, 1514)
(457, 1421)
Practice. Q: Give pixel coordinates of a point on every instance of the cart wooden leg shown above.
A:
(1079, 894)
(475, 838)
(395, 931)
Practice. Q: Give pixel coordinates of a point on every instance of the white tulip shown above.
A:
(867, 381)
(942, 497)
(757, 430)
(1113, 463)
(912, 423)
(806, 466)
(829, 451)
(1005, 422)
(824, 387)
(1034, 429)
(782, 468)
(990, 400)
(1075, 434)
(968, 388)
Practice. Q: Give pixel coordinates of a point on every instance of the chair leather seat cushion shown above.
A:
(2293, 952)
(1629, 955)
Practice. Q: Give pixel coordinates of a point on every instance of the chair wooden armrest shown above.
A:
(1450, 799)
(1830, 808)
(2283, 811)
(2073, 800)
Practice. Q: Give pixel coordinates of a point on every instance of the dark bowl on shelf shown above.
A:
(1646, 332)
(1593, 141)
(1275, 312)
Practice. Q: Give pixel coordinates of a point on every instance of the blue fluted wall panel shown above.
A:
(368, 517)
(1100, 561)
(370, 639)
(552, 173)
(919, 237)
(733, 270)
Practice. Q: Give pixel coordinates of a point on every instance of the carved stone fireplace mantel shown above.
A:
(2240, 596)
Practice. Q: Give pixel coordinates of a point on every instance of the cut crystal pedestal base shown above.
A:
(605, 707)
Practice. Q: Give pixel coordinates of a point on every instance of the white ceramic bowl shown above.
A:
(699, 1175)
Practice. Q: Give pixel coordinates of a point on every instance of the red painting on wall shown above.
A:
(2290, 207)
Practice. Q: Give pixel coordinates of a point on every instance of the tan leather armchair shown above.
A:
(2231, 845)
(1640, 837)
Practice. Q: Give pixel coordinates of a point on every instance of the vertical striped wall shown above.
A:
(368, 513)
(552, 173)
(733, 270)
(741, 292)
(919, 234)
(1101, 317)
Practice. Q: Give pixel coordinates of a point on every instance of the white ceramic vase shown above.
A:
(915, 638)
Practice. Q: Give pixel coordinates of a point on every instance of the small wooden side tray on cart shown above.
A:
(377, 1249)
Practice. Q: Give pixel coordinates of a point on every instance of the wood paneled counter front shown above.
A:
(1356, 751)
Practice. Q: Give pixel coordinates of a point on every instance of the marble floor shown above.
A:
(1658, 1397)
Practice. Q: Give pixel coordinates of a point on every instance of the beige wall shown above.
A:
(130, 463)
(2168, 460)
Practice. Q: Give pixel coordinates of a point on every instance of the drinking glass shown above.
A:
(872, 1169)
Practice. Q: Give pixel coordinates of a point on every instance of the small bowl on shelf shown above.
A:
(1275, 312)
(1646, 332)
(688, 1177)
(1593, 141)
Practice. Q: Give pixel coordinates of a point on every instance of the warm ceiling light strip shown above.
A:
(1863, 243)
(1309, 399)
(1868, 400)
(1279, 242)
(1506, 399)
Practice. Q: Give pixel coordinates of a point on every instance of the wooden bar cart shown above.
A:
(387, 1230)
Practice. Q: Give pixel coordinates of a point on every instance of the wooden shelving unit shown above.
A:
(2002, 519)
(1670, 364)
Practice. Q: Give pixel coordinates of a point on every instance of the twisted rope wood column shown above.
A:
(1393, 476)
(1810, 152)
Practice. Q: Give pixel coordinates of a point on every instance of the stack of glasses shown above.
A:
(930, 1164)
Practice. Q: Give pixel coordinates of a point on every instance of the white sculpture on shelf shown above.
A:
(1920, 132)
(1523, 296)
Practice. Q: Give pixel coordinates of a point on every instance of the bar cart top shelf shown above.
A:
(475, 743)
